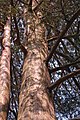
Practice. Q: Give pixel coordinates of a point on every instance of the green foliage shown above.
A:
(5, 7)
(14, 10)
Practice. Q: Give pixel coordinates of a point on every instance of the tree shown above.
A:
(34, 101)
(44, 32)
(5, 72)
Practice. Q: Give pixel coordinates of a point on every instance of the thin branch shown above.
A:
(30, 6)
(73, 43)
(64, 37)
(74, 79)
(64, 56)
(63, 12)
(1, 26)
(14, 113)
(35, 9)
(62, 34)
(62, 79)
(18, 37)
(75, 118)
(63, 67)
(17, 30)
(78, 27)
(22, 2)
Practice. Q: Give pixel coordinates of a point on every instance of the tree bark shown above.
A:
(34, 101)
(5, 72)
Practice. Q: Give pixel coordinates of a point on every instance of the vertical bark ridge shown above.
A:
(5, 72)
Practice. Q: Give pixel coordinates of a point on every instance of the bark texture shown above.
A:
(34, 102)
(5, 72)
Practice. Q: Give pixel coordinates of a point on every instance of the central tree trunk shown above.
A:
(34, 102)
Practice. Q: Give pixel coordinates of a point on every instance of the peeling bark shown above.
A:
(5, 72)
(34, 102)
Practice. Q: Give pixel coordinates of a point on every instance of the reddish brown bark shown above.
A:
(34, 102)
(5, 72)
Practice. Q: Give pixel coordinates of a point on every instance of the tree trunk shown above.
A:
(34, 102)
(5, 72)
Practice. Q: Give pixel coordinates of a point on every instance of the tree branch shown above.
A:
(22, 2)
(62, 79)
(17, 30)
(62, 34)
(64, 56)
(78, 27)
(63, 67)
(35, 9)
(30, 6)
(64, 37)
(63, 12)
(75, 118)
